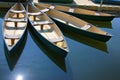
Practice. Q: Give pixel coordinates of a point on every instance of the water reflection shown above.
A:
(54, 56)
(19, 77)
(105, 24)
(13, 57)
(3, 12)
(85, 40)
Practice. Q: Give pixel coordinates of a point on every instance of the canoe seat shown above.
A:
(34, 14)
(17, 11)
(15, 20)
(71, 10)
(57, 39)
(52, 7)
(12, 36)
(42, 23)
(87, 26)
(45, 10)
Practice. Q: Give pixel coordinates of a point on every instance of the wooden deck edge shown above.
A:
(91, 7)
(95, 7)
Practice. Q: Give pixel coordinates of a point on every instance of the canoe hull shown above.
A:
(91, 17)
(46, 42)
(16, 47)
(99, 37)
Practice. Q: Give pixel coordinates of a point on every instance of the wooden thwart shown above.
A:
(57, 39)
(17, 11)
(15, 20)
(98, 14)
(45, 10)
(52, 7)
(71, 10)
(12, 36)
(42, 23)
(87, 26)
(34, 14)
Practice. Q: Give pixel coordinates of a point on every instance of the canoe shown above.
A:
(14, 27)
(82, 13)
(75, 24)
(46, 30)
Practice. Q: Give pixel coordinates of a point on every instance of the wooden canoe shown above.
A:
(82, 13)
(46, 30)
(75, 24)
(14, 27)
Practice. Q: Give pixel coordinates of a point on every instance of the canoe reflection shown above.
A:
(3, 12)
(58, 59)
(12, 58)
(85, 40)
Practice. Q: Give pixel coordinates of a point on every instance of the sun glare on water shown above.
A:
(19, 77)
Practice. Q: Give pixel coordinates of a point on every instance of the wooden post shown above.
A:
(42, 26)
(12, 41)
(99, 9)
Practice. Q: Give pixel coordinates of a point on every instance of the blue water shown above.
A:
(88, 59)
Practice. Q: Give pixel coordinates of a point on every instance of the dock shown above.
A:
(85, 4)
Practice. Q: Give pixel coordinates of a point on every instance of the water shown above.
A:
(88, 59)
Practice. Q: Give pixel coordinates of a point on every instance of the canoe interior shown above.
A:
(12, 30)
(47, 28)
(18, 7)
(14, 25)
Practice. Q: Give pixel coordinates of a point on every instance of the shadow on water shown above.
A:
(102, 24)
(85, 40)
(3, 12)
(12, 58)
(54, 56)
